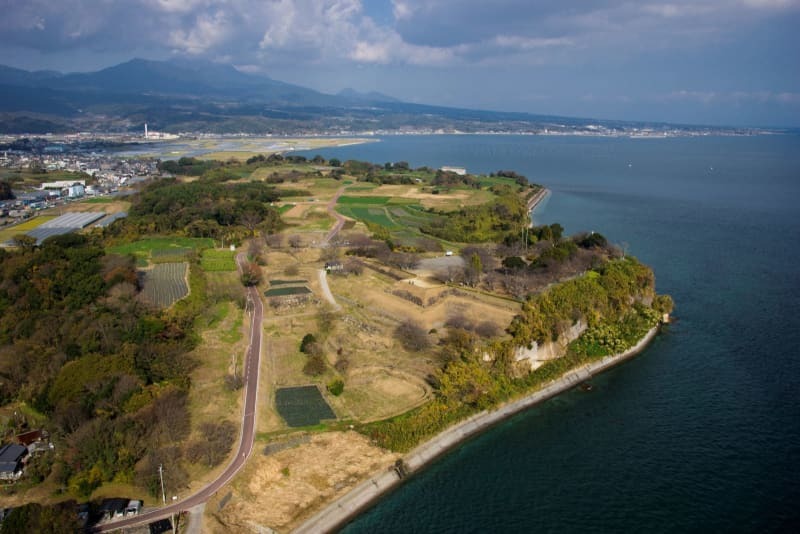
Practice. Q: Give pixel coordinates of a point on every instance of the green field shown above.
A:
(162, 249)
(286, 207)
(214, 260)
(100, 200)
(284, 291)
(286, 282)
(165, 284)
(376, 201)
(302, 406)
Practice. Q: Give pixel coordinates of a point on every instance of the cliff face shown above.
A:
(536, 354)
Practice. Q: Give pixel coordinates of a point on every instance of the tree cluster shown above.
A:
(108, 373)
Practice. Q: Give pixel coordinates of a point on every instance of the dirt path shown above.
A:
(326, 291)
(340, 220)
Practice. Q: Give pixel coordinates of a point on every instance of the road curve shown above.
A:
(246, 438)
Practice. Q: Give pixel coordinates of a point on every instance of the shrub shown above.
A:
(306, 343)
(336, 387)
(315, 365)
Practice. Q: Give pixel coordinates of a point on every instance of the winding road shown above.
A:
(246, 438)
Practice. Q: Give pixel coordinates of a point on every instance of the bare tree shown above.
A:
(412, 336)
(295, 241)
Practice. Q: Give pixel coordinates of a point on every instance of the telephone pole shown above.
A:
(161, 476)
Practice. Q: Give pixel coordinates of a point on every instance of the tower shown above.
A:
(145, 130)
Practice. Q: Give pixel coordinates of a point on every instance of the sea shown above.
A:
(701, 432)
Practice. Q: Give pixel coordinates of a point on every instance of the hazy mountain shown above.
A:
(371, 96)
(190, 95)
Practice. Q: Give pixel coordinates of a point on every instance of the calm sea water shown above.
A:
(699, 433)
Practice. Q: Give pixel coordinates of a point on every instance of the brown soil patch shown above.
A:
(281, 490)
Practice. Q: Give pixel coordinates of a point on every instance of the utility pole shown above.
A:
(161, 476)
(164, 494)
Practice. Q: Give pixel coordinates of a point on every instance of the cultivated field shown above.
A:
(162, 249)
(302, 406)
(213, 260)
(165, 283)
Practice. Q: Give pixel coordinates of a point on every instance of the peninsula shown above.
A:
(404, 310)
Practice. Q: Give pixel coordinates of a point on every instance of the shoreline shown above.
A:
(534, 202)
(360, 498)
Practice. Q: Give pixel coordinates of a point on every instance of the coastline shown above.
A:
(345, 508)
(534, 202)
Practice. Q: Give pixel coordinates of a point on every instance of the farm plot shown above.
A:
(285, 291)
(286, 282)
(302, 406)
(165, 284)
(216, 260)
(169, 255)
(162, 249)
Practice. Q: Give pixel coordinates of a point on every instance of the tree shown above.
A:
(412, 336)
(5, 190)
(474, 270)
(514, 263)
(251, 274)
(306, 342)
(25, 242)
(295, 241)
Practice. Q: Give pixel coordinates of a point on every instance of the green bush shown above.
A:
(336, 387)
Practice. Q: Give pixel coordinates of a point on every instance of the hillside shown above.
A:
(201, 96)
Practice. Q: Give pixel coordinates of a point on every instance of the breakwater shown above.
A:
(362, 496)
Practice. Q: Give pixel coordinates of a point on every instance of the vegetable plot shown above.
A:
(165, 284)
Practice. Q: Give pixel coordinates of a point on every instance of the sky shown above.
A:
(726, 62)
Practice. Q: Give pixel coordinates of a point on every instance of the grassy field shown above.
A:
(100, 200)
(214, 260)
(162, 249)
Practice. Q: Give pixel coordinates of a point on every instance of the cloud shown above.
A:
(401, 10)
(207, 31)
(734, 97)
(419, 32)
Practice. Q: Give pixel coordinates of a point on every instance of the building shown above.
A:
(76, 191)
(333, 266)
(11, 457)
(461, 171)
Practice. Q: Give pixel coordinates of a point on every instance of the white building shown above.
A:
(461, 171)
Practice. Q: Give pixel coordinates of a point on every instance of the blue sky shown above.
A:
(734, 62)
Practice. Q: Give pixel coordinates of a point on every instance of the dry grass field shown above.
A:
(279, 490)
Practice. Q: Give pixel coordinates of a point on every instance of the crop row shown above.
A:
(165, 284)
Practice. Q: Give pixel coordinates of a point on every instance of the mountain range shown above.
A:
(201, 96)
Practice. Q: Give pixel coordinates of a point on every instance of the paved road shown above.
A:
(252, 361)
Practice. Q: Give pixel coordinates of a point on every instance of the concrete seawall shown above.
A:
(359, 498)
